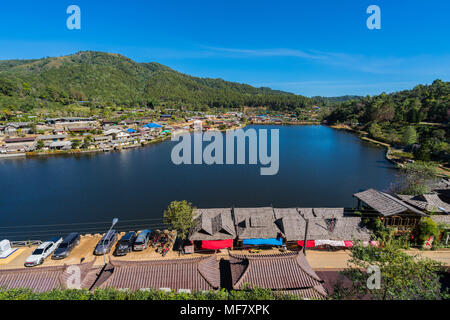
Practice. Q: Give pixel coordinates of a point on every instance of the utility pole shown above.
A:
(306, 236)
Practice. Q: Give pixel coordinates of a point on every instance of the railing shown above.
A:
(27, 243)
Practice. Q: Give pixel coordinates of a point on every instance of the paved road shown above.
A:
(338, 259)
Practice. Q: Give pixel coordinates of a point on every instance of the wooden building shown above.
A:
(393, 211)
(214, 229)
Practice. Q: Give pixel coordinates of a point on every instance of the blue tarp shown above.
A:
(270, 241)
(152, 125)
(131, 131)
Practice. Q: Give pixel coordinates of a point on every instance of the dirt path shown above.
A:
(319, 260)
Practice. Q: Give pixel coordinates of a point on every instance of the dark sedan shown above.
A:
(66, 246)
(125, 244)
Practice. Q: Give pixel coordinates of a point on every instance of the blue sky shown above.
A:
(306, 47)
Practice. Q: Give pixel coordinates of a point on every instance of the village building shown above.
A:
(426, 202)
(52, 137)
(79, 129)
(326, 227)
(13, 128)
(291, 224)
(25, 144)
(60, 145)
(256, 226)
(188, 275)
(214, 229)
(393, 211)
(288, 273)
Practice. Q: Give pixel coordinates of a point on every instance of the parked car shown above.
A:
(43, 251)
(106, 243)
(66, 246)
(142, 240)
(125, 244)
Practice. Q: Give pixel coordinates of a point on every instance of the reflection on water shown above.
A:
(319, 166)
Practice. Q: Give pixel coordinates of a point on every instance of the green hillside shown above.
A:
(112, 79)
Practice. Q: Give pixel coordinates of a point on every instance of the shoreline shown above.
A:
(35, 154)
(387, 146)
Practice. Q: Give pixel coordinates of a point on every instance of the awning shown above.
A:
(258, 242)
(332, 243)
(217, 244)
(335, 243)
(309, 243)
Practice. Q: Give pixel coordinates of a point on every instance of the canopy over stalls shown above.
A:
(335, 243)
(259, 242)
(217, 244)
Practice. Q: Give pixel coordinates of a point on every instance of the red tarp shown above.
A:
(309, 243)
(348, 244)
(217, 244)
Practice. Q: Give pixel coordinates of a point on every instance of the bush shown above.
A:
(428, 228)
(152, 294)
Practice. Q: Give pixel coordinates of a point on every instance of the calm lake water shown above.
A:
(319, 166)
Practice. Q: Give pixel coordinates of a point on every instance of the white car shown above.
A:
(43, 251)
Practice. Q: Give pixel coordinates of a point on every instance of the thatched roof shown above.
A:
(306, 212)
(289, 273)
(386, 204)
(441, 218)
(291, 223)
(428, 202)
(213, 224)
(255, 223)
(331, 224)
(328, 212)
(344, 228)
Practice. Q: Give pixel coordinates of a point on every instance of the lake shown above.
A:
(319, 167)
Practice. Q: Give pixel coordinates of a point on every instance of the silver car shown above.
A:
(106, 243)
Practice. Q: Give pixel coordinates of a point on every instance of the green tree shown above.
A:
(417, 178)
(180, 216)
(375, 131)
(76, 143)
(409, 136)
(403, 277)
(428, 228)
(40, 144)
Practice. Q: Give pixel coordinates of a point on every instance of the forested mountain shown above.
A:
(112, 79)
(416, 119)
(423, 103)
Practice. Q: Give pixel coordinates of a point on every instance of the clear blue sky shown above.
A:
(306, 47)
